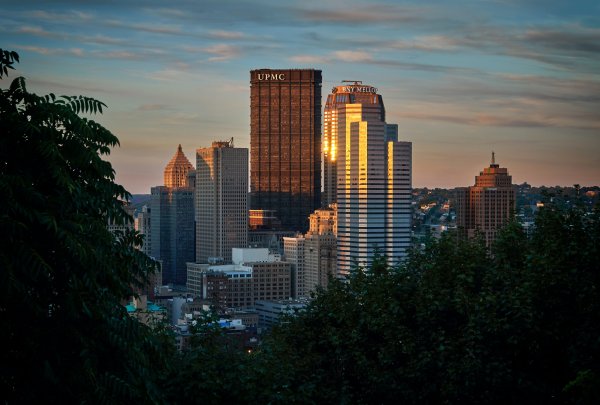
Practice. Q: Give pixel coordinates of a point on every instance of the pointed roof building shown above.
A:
(176, 171)
(488, 205)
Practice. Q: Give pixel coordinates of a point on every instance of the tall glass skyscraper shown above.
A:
(285, 143)
(352, 93)
(373, 182)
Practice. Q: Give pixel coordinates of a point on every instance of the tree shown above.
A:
(66, 337)
(455, 324)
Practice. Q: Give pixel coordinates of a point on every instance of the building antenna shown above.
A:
(493, 158)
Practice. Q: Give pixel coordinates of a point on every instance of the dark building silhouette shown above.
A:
(285, 144)
(172, 220)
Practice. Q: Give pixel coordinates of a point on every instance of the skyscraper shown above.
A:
(221, 201)
(285, 143)
(172, 220)
(354, 92)
(177, 170)
(488, 205)
(313, 255)
(373, 188)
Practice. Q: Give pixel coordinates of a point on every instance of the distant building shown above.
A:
(265, 231)
(488, 205)
(255, 274)
(285, 143)
(270, 311)
(177, 170)
(313, 256)
(172, 220)
(373, 188)
(221, 201)
(114, 226)
(143, 225)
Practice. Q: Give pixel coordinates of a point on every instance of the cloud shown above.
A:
(491, 120)
(51, 51)
(353, 56)
(222, 52)
(67, 16)
(309, 59)
(371, 14)
(37, 31)
(151, 28)
(579, 40)
(222, 34)
(154, 107)
(368, 58)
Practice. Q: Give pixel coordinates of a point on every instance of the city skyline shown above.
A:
(519, 78)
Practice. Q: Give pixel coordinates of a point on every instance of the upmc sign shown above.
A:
(270, 76)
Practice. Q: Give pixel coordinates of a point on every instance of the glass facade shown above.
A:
(285, 143)
(354, 93)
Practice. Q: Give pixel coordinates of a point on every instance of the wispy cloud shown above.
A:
(37, 31)
(222, 52)
(222, 34)
(52, 51)
(353, 56)
(67, 16)
(151, 28)
(154, 107)
(357, 56)
(377, 13)
(492, 120)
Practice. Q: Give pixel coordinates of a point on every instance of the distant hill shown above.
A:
(139, 200)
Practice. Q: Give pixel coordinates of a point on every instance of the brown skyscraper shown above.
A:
(285, 143)
(488, 205)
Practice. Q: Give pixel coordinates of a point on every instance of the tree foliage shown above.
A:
(455, 324)
(63, 274)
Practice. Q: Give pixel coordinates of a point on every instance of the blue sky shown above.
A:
(461, 78)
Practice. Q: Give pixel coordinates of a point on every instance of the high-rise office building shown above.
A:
(488, 205)
(221, 201)
(172, 220)
(285, 143)
(352, 93)
(313, 255)
(373, 188)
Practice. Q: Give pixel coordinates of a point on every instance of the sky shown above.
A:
(460, 78)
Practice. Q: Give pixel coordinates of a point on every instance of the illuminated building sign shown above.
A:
(355, 89)
(270, 76)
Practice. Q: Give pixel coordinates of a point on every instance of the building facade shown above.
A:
(285, 143)
(143, 225)
(177, 170)
(373, 188)
(313, 256)
(221, 201)
(488, 205)
(172, 224)
(172, 220)
(351, 93)
(255, 274)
